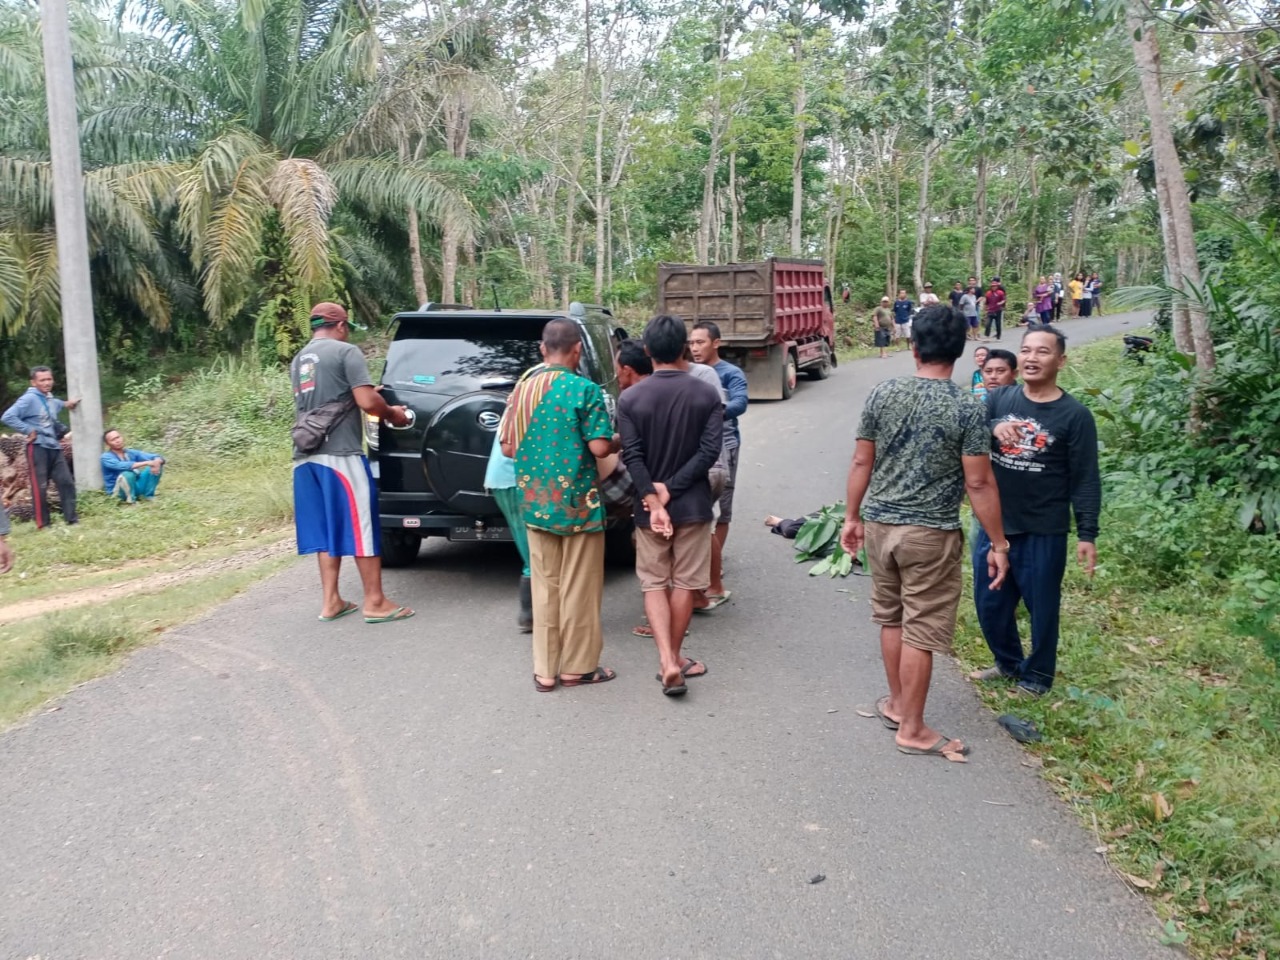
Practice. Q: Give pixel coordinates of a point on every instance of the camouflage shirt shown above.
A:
(921, 428)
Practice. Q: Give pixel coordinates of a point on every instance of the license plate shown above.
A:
(475, 533)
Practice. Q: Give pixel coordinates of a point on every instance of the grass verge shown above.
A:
(225, 434)
(1163, 730)
(46, 656)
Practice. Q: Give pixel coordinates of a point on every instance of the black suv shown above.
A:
(453, 367)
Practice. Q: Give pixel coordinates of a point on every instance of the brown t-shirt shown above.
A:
(883, 317)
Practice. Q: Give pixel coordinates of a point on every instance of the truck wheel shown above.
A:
(820, 370)
(399, 548)
(789, 377)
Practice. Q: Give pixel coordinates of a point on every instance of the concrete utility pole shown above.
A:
(78, 336)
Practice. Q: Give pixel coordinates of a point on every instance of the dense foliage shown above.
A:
(244, 159)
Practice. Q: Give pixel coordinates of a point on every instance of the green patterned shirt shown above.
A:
(921, 428)
(555, 470)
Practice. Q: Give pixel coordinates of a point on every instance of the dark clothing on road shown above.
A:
(672, 427)
(1051, 470)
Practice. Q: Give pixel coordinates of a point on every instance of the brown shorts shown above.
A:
(916, 578)
(683, 562)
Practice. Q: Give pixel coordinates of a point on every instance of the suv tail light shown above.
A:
(371, 424)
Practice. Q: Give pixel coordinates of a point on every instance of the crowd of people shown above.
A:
(984, 306)
(1022, 449)
(1025, 453)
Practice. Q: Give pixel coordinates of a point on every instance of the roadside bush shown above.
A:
(232, 406)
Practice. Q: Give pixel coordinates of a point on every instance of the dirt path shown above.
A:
(149, 583)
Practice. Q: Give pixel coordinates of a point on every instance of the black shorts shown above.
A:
(882, 337)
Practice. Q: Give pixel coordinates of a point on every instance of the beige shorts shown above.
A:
(916, 579)
(682, 562)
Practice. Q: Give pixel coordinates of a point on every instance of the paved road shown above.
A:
(259, 785)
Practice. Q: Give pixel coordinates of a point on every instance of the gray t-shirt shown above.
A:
(323, 371)
(921, 428)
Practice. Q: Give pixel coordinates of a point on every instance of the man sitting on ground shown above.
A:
(128, 474)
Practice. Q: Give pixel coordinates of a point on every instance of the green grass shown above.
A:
(46, 656)
(1163, 730)
(225, 434)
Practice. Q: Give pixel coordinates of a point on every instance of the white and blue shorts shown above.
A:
(335, 506)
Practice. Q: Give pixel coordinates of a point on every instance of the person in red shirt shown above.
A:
(995, 297)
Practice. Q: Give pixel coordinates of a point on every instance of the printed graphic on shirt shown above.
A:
(307, 372)
(1024, 453)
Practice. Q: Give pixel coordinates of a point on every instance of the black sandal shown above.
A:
(598, 675)
(543, 687)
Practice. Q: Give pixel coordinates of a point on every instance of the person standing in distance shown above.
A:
(672, 429)
(1044, 450)
(928, 298)
(334, 500)
(704, 344)
(995, 297)
(903, 308)
(35, 414)
(555, 426)
(922, 443)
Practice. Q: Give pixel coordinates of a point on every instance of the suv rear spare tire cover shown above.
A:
(455, 453)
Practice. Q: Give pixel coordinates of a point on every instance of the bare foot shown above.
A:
(925, 739)
(772, 521)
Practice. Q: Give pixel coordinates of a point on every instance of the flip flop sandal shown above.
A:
(646, 631)
(598, 675)
(349, 608)
(684, 671)
(542, 687)
(679, 690)
(718, 600)
(399, 613)
(887, 720)
(935, 751)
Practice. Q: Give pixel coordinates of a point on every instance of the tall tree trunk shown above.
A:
(1033, 240)
(1183, 264)
(797, 156)
(1180, 318)
(575, 167)
(897, 225)
(980, 217)
(415, 257)
(734, 237)
(713, 153)
(922, 199)
(598, 198)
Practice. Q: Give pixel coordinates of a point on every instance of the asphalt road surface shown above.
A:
(261, 785)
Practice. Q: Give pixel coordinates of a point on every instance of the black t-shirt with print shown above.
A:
(1051, 470)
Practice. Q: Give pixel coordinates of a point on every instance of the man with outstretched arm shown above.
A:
(35, 415)
(922, 443)
(335, 503)
(1044, 451)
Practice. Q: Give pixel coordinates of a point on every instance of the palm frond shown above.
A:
(387, 186)
(303, 196)
(222, 204)
(13, 285)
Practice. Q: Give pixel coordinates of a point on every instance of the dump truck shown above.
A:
(776, 317)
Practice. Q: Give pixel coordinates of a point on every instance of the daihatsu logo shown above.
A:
(489, 420)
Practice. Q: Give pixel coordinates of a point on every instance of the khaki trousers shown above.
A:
(568, 589)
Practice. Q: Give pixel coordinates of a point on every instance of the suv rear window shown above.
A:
(429, 351)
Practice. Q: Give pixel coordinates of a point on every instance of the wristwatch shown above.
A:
(1000, 548)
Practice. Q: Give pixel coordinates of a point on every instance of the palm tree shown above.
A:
(236, 119)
